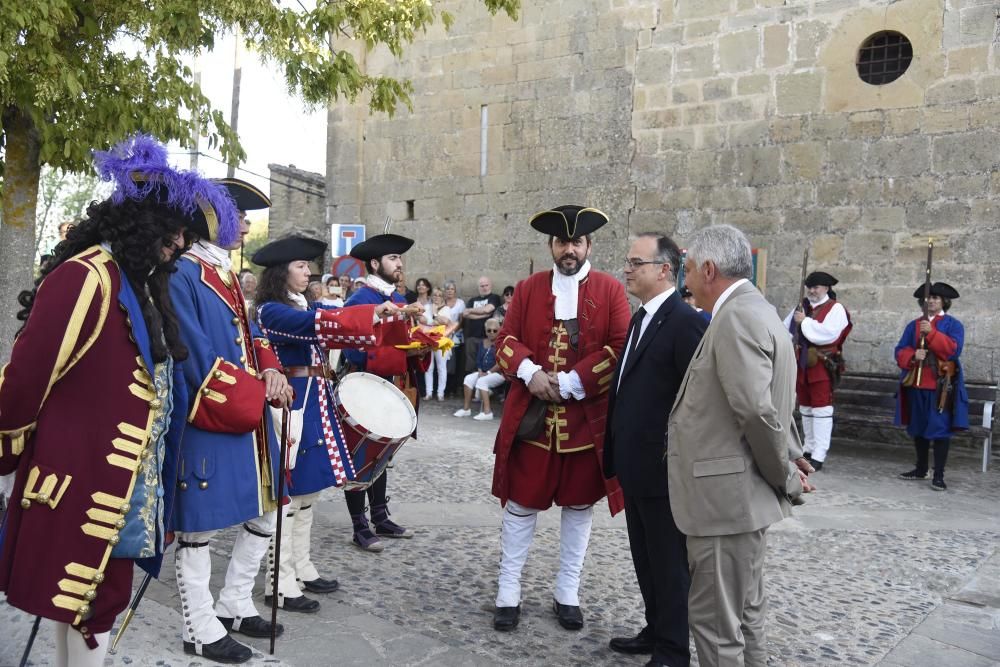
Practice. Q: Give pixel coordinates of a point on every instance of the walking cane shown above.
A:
(31, 640)
(277, 531)
(136, 599)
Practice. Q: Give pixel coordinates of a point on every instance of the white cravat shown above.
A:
(213, 254)
(380, 285)
(299, 300)
(566, 290)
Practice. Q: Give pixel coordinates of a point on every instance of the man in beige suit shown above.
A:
(733, 457)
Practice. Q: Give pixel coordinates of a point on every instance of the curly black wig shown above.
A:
(137, 232)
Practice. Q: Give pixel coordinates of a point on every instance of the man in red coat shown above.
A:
(558, 345)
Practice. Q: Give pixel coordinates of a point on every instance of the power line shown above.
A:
(254, 173)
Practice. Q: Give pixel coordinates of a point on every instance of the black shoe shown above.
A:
(641, 644)
(656, 663)
(254, 626)
(817, 465)
(226, 650)
(808, 456)
(570, 617)
(913, 474)
(506, 619)
(321, 585)
(300, 604)
(939, 485)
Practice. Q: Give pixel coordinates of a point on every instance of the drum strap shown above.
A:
(333, 437)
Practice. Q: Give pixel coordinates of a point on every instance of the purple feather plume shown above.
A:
(186, 191)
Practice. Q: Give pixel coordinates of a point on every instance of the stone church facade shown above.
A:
(671, 115)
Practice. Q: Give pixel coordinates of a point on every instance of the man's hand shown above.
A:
(386, 309)
(798, 316)
(276, 388)
(925, 327)
(806, 486)
(920, 355)
(802, 463)
(418, 351)
(541, 387)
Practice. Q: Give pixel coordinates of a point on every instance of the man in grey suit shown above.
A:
(733, 459)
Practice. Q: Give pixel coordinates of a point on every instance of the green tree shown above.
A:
(62, 197)
(69, 83)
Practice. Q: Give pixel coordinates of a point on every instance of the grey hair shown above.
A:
(449, 283)
(490, 321)
(726, 247)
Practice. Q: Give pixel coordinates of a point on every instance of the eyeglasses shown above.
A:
(634, 262)
(492, 331)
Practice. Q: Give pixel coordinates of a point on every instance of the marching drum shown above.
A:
(377, 419)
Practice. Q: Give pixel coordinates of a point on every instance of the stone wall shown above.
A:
(677, 114)
(298, 203)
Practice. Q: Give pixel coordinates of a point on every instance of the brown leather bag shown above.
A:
(533, 419)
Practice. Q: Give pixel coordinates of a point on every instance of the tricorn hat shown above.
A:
(246, 196)
(139, 169)
(380, 245)
(820, 278)
(943, 290)
(568, 222)
(288, 249)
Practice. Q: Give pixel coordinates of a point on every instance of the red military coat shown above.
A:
(77, 405)
(603, 317)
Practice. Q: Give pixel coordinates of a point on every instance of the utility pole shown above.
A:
(234, 113)
(196, 124)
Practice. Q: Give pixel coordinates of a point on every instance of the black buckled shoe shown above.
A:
(506, 619)
(226, 650)
(570, 617)
(913, 475)
(300, 604)
(817, 465)
(321, 585)
(641, 644)
(253, 626)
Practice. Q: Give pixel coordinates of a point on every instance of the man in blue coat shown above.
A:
(383, 258)
(228, 466)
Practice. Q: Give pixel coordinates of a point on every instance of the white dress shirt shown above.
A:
(650, 307)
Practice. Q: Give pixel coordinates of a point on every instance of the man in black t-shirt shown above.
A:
(478, 309)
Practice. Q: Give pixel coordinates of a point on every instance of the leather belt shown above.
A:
(307, 371)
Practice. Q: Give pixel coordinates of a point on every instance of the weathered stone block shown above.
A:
(709, 137)
(701, 114)
(695, 62)
(978, 25)
(936, 217)
(686, 93)
(717, 89)
(843, 193)
(758, 165)
(776, 45)
(831, 126)
(798, 93)
(696, 30)
(692, 9)
(753, 133)
(903, 121)
(826, 249)
(883, 218)
(652, 66)
(702, 168)
(803, 161)
(657, 119)
(908, 156)
(782, 196)
(753, 223)
(844, 158)
(809, 38)
(754, 84)
(909, 190)
(952, 91)
(865, 124)
(737, 110)
(787, 129)
(738, 52)
(941, 120)
(970, 152)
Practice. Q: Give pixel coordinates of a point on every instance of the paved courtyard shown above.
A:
(871, 571)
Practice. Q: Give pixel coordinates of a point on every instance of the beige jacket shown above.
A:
(732, 436)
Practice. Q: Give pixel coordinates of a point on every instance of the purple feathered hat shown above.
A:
(138, 167)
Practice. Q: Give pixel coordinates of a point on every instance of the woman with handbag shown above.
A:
(932, 402)
(301, 337)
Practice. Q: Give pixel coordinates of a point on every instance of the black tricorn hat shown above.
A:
(943, 290)
(246, 196)
(820, 278)
(380, 245)
(568, 222)
(288, 249)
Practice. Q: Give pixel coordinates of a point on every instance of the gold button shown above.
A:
(243, 360)
(84, 630)
(206, 391)
(98, 578)
(119, 524)
(265, 343)
(124, 508)
(217, 375)
(90, 596)
(203, 485)
(239, 340)
(25, 503)
(156, 404)
(42, 498)
(114, 540)
(83, 610)
(184, 486)
(236, 320)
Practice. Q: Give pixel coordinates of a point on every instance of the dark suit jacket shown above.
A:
(636, 434)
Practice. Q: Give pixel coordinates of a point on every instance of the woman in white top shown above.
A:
(438, 313)
(424, 289)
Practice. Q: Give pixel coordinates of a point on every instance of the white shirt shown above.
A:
(725, 295)
(825, 332)
(650, 307)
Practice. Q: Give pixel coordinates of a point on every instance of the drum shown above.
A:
(377, 419)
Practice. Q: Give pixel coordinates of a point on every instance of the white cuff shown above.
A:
(527, 369)
(570, 385)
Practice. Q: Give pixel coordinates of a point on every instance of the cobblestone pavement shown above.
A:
(871, 570)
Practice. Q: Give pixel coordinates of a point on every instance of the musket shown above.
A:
(31, 641)
(927, 295)
(277, 531)
(136, 599)
(800, 308)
